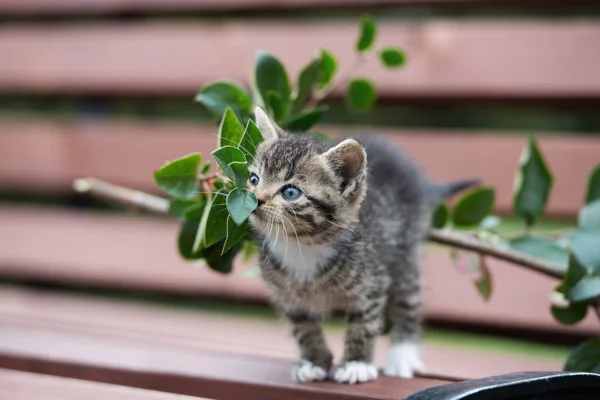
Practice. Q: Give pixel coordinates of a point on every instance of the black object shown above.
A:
(519, 386)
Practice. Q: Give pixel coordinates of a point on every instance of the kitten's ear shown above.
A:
(269, 129)
(348, 159)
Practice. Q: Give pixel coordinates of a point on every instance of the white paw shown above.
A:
(403, 360)
(356, 371)
(306, 371)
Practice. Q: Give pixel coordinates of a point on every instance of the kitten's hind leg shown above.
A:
(404, 308)
(365, 316)
(316, 358)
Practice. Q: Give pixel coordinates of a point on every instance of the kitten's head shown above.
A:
(305, 188)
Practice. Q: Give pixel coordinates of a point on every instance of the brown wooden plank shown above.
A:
(51, 7)
(448, 59)
(15, 385)
(56, 153)
(94, 355)
(200, 331)
(128, 253)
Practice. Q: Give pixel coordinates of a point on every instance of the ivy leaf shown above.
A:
(213, 226)
(589, 216)
(230, 130)
(275, 107)
(328, 69)
(440, 216)
(178, 178)
(593, 190)
(218, 96)
(392, 57)
(250, 141)
(235, 233)
(360, 94)
(307, 80)
(233, 163)
(240, 204)
(570, 315)
(542, 248)
(270, 76)
(473, 206)
(585, 357)
(532, 183)
(222, 263)
(368, 31)
(484, 283)
(305, 120)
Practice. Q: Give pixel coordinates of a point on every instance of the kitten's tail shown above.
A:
(441, 192)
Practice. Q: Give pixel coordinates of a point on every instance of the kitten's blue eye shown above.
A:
(291, 193)
(254, 179)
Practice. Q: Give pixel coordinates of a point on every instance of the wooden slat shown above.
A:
(131, 253)
(86, 352)
(201, 331)
(448, 59)
(16, 385)
(52, 7)
(43, 155)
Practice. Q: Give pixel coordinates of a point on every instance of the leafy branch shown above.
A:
(213, 207)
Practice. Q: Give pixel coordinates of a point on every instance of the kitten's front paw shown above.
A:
(306, 371)
(356, 371)
(403, 360)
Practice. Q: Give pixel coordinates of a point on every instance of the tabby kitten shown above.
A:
(332, 229)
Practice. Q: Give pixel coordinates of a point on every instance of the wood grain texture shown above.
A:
(447, 59)
(131, 253)
(15, 385)
(45, 155)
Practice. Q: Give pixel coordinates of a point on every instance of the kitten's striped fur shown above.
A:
(353, 236)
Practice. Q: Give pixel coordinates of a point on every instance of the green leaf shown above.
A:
(484, 283)
(575, 273)
(218, 262)
(473, 206)
(589, 216)
(586, 289)
(532, 183)
(215, 222)
(328, 69)
(189, 230)
(233, 163)
(276, 108)
(440, 216)
(249, 250)
(307, 81)
(593, 190)
(177, 207)
(542, 248)
(230, 130)
(368, 31)
(178, 178)
(572, 314)
(235, 233)
(585, 357)
(250, 141)
(205, 169)
(305, 120)
(584, 244)
(392, 57)
(217, 96)
(240, 204)
(270, 76)
(360, 94)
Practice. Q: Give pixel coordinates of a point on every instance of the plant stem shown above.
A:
(468, 242)
(159, 205)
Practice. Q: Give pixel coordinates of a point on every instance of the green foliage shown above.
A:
(473, 207)
(585, 357)
(484, 283)
(220, 95)
(305, 120)
(440, 216)
(235, 233)
(589, 216)
(593, 190)
(250, 141)
(328, 69)
(572, 314)
(233, 164)
(360, 94)
(392, 57)
(271, 77)
(240, 203)
(532, 183)
(307, 83)
(368, 32)
(230, 129)
(178, 178)
(542, 248)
